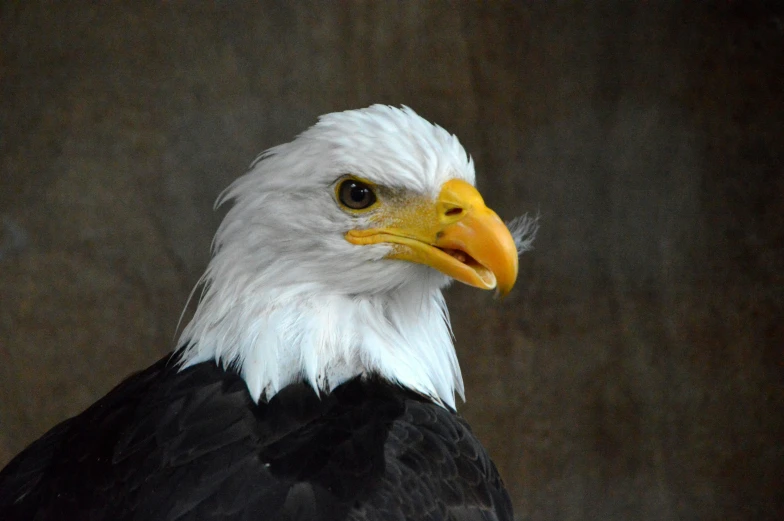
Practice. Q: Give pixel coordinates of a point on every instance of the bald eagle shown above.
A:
(317, 377)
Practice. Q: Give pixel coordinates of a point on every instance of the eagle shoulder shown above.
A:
(184, 445)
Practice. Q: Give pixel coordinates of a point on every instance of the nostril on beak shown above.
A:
(452, 212)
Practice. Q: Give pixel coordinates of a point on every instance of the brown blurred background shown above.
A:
(638, 370)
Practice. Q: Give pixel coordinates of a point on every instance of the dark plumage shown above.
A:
(192, 445)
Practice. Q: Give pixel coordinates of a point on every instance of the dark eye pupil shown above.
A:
(359, 193)
(356, 194)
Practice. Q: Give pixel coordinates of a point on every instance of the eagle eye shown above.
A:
(355, 194)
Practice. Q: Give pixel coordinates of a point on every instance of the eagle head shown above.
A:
(331, 260)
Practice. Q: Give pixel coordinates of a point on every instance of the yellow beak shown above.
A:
(457, 235)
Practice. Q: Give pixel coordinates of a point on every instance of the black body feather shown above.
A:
(171, 445)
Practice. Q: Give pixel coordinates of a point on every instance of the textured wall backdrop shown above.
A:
(638, 370)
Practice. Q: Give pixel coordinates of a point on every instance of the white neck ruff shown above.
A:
(281, 335)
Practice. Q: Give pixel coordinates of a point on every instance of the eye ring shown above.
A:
(355, 194)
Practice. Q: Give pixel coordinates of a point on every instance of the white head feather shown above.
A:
(288, 299)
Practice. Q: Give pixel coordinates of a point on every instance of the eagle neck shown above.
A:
(281, 336)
